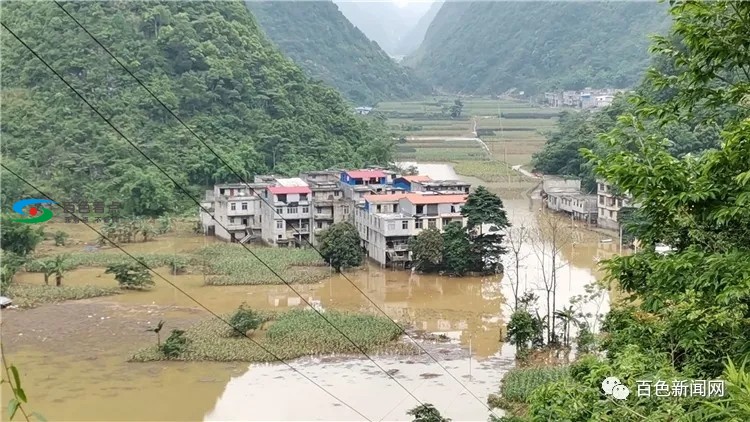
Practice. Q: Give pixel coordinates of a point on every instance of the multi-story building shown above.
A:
(406, 183)
(329, 206)
(237, 209)
(609, 204)
(442, 186)
(564, 195)
(387, 222)
(355, 184)
(285, 213)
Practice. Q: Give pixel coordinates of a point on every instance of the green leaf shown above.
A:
(16, 378)
(12, 407)
(21, 394)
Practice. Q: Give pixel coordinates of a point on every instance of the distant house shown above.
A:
(406, 182)
(363, 110)
(610, 203)
(565, 196)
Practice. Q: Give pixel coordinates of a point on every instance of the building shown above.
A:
(363, 110)
(329, 206)
(387, 222)
(237, 208)
(442, 186)
(603, 100)
(609, 204)
(355, 184)
(564, 195)
(285, 214)
(405, 182)
(553, 99)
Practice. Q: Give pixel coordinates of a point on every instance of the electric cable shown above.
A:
(189, 296)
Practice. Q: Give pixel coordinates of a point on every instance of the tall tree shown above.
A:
(427, 250)
(19, 238)
(340, 246)
(458, 252)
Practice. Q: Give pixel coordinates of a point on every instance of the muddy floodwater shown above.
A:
(73, 356)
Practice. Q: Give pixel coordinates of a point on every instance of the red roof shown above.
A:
(417, 178)
(420, 199)
(285, 190)
(366, 174)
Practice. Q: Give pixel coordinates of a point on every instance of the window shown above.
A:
(244, 205)
(292, 210)
(420, 209)
(337, 193)
(418, 224)
(610, 213)
(281, 198)
(405, 224)
(395, 207)
(305, 210)
(431, 223)
(377, 208)
(231, 220)
(279, 210)
(233, 206)
(303, 197)
(446, 221)
(453, 209)
(279, 224)
(601, 199)
(391, 226)
(320, 224)
(279, 236)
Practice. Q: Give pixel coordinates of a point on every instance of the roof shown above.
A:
(416, 178)
(365, 174)
(420, 199)
(284, 190)
(445, 183)
(293, 181)
(385, 197)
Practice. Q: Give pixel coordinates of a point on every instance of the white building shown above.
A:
(387, 222)
(564, 195)
(237, 209)
(329, 206)
(285, 214)
(609, 205)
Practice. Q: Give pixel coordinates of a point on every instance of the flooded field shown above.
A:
(73, 356)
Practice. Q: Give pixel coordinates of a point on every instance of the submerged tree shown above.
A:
(131, 275)
(427, 250)
(340, 246)
(426, 413)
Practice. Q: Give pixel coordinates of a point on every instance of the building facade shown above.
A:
(237, 209)
(285, 215)
(609, 204)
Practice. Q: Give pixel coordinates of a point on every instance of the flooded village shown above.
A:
(83, 348)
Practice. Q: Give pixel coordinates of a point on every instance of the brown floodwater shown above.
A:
(72, 356)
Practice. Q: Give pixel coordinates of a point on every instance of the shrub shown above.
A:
(131, 276)
(519, 383)
(244, 319)
(60, 238)
(175, 344)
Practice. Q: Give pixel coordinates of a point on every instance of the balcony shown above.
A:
(323, 216)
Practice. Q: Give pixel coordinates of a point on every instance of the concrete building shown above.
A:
(386, 222)
(329, 206)
(442, 186)
(355, 184)
(285, 214)
(609, 204)
(237, 208)
(405, 183)
(564, 195)
(603, 100)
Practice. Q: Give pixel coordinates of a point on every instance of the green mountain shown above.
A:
(491, 47)
(328, 47)
(413, 39)
(209, 61)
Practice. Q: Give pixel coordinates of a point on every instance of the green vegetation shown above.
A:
(290, 335)
(492, 47)
(318, 37)
(687, 312)
(340, 246)
(243, 320)
(31, 295)
(19, 238)
(209, 61)
(61, 237)
(519, 383)
(104, 259)
(131, 275)
(426, 413)
(175, 345)
(459, 249)
(231, 264)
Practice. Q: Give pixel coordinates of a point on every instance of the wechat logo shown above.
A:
(613, 387)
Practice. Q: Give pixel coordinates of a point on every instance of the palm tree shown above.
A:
(48, 268)
(157, 330)
(59, 267)
(567, 316)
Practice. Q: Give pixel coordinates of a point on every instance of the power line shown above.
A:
(189, 296)
(204, 209)
(236, 174)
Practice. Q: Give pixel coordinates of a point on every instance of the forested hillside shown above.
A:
(208, 61)
(412, 40)
(327, 46)
(491, 47)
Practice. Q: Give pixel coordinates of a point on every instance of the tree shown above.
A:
(457, 108)
(427, 250)
(426, 413)
(131, 275)
(10, 263)
(483, 208)
(59, 266)
(457, 251)
(19, 238)
(175, 345)
(60, 238)
(243, 320)
(340, 246)
(516, 238)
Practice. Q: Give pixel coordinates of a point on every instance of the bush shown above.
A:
(244, 319)
(60, 238)
(519, 383)
(131, 276)
(175, 344)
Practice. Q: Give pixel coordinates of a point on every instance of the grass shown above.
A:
(31, 295)
(104, 259)
(231, 264)
(290, 335)
(519, 383)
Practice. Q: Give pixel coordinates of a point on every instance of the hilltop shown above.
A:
(491, 47)
(317, 36)
(209, 61)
